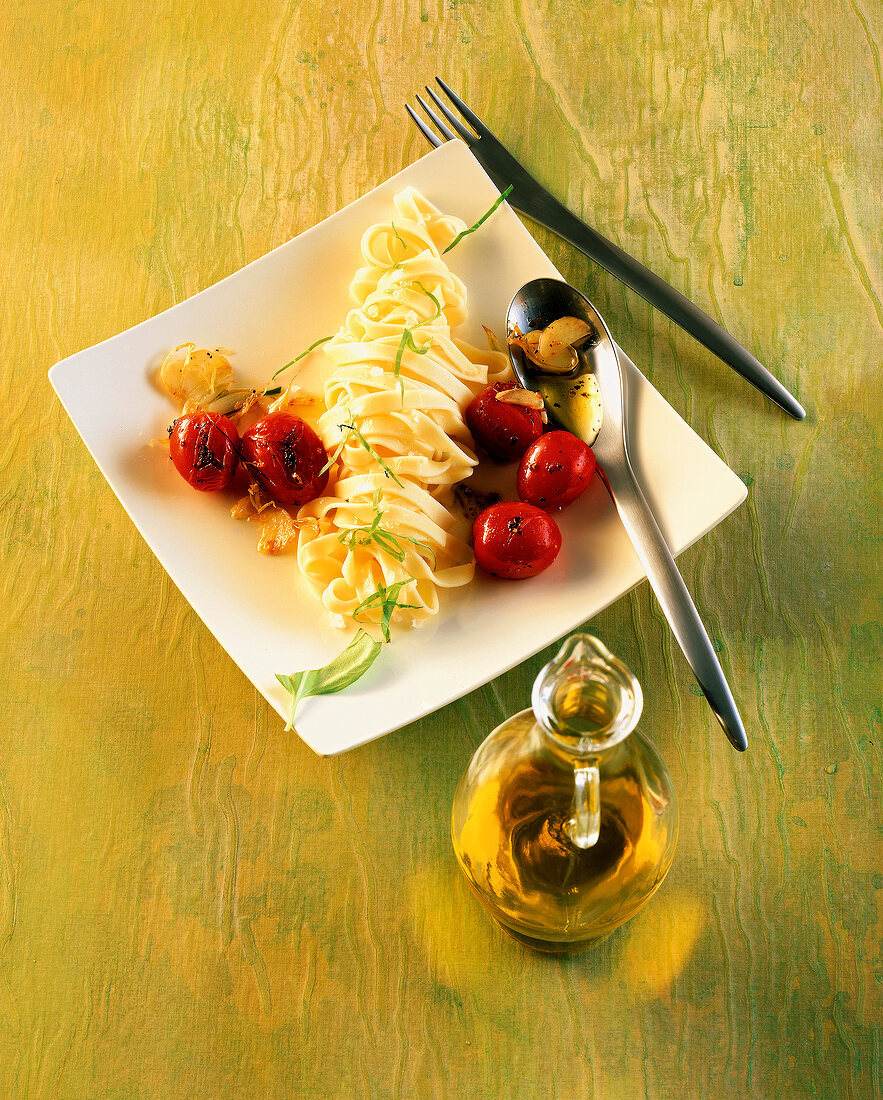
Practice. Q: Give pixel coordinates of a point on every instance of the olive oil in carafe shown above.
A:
(518, 810)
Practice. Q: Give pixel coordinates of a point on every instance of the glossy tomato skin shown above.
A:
(503, 430)
(555, 470)
(204, 450)
(285, 457)
(515, 540)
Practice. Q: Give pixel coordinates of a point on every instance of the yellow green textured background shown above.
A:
(192, 904)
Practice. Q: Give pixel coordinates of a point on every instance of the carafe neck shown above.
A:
(586, 702)
(585, 699)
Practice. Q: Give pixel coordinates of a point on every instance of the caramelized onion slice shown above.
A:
(552, 348)
(197, 378)
(518, 396)
(528, 344)
(555, 350)
(561, 335)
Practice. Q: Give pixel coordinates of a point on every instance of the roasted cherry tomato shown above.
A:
(285, 457)
(503, 430)
(514, 540)
(203, 447)
(555, 470)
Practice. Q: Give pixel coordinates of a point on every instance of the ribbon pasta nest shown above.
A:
(395, 398)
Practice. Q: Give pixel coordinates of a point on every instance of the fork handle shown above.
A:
(674, 598)
(545, 209)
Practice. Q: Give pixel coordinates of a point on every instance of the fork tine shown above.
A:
(466, 135)
(432, 138)
(470, 116)
(433, 117)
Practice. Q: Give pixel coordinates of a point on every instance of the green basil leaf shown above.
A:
(338, 674)
(346, 668)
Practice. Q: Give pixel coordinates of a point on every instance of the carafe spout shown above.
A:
(585, 698)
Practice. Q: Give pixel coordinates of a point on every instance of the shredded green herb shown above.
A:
(399, 238)
(302, 355)
(388, 542)
(338, 674)
(387, 599)
(403, 243)
(484, 217)
(407, 341)
(335, 455)
(364, 442)
(435, 302)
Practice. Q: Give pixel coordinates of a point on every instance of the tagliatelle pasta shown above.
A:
(395, 397)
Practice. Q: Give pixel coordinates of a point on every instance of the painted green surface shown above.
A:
(191, 903)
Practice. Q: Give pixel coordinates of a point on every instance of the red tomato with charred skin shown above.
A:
(555, 470)
(503, 430)
(204, 450)
(515, 540)
(285, 457)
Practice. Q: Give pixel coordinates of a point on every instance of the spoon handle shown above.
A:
(674, 599)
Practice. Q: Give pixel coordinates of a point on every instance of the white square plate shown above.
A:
(259, 608)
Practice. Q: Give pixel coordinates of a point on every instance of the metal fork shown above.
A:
(532, 199)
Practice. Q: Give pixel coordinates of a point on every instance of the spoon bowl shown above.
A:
(575, 399)
(571, 400)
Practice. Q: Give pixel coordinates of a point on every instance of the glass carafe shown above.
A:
(565, 821)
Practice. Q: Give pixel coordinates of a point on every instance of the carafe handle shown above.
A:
(584, 826)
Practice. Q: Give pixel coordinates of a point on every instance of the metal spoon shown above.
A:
(570, 406)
